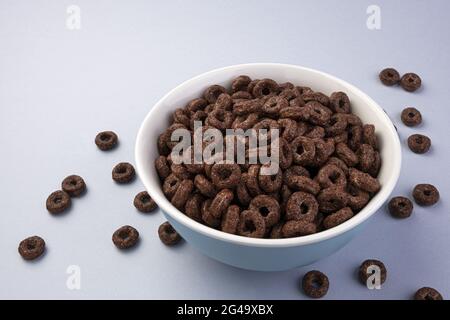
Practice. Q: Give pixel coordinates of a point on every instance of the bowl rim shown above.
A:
(358, 219)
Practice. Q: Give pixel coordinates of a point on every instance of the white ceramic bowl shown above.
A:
(266, 254)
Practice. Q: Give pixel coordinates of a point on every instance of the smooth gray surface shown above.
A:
(58, 88)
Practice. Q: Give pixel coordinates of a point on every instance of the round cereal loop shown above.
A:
(286, 156)
(163, 149)
(224, 102)
(315, 132)
(144, 203)
(251, 181)
(170, 185)
(123, 173)
(240, 83)
(294, 113)
(273, 105)
(286, 85)
(410, 82)
(425, 194)
(363, 181)
(182, 116)
(251, 224)
(205, 186)
(270, 183)
(125, 237)
(427, 293)
(193, 207)
(180, 171)
(182, 194)
(419, 143)
(58, 201)
(369, 136)
(265, 124)
(303, 90)
(225, 176)
(169, 132)
(242, 193)
(304, 150)
(338, 163)
(275, 232)
(265, 87)
(162, 167)
(337, 125)
(221, 202)
(302, 206)
(197, 116)
(346, 154)
(168, 235)
(208, 218)
(74, 185)
(318, 114)
(302, 183)
(375, 168)
(31, 248)
(332, 199)
(353, 120)
(295, 228)
(389, 76)
(106, 140)
(247, 106)
(324, 149)
(288, 129)
(331, 175)
(241, 95)
(251, 85)
(411, 117)
(366, 156)
(364, 272)
(268, 207)
(315, 284)
(220, 119)
(289, 94)
(213, 92)
(245, 122)
(357, 198)
(198, 104)
(339, 102)
(400, 207)
(355, 137)
(337, 218)
(294, 171)
(316, 96)
(230, 219)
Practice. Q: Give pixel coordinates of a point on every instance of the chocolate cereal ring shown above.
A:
(288, 129)
(251, 181)
(425, 194)
(346, 154)
(74, 185)
(58, 202)
(304, 150)
(337, 125)
(182, 194)
(221, 202)
(247, 106)
(162, 167)
(207, 216)
(331, 175)
(332, 199)
(369, 136)
(205, 186)
(170, 185)
(106, 140)
(123, 173)
(268, 207)
(168, 235)
(364, 273)
(419, 143)
(193, 207)
(251, 224)
(225, 176)
(338, 163)
(316, 96)
(389, 76)
(31, 248)
(337, 218)
(339, 102)
(363, 181)
(410, 82)
(182, 116)
(357, 198)
(242, 192)
(270, 183)
(230, 219)
(273, 105)
(197, 104)
(355, 137)
(318, 114)
(144, 203)
(411, 117)
(213, 92)
(427, 293)
(315, 284)
(400, 207)
(265, 87)
(302, 183)
(125, 237)
(302, 206)
(240, 83)
(366, 157)
(295, 228)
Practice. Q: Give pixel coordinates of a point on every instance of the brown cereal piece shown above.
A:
(230, 219)
(168, 235)
(265, 124)
(286, 85)
(419, 143)
(303, 90)
(316, 96)
(275, 232)
(225, 176)
(74, 185)
(106, 140)
(245, 122)
(58, 201)
(198, 104)
(297, 102)
(163, 149)
(247, 106)
(338, 163)
(304, 150)
(363, 181)
(31, 248)
(364, 272)
(315, 284)
(286, 156)
(302, 206)
(265, 87)
(366, 156)
(270, 183)
(205, 186)
(375, 168)
(207, 216)
(251, 224)
(180, 171)
(324, 149)
(400, 207)
(240, 83)
(182, 194)
(162, 167)
(357, 198)
(288, 129)
(318, 114)
(389, 76)
(353, 120)
(410, 82)
(315, 132)
(144, 203)
(273, 106)
(331, 175)
(193, 207)
(251, 85)
(425, 194)
(268, 207)
(339, 102)
(337, 218)
(355, 137)
(251, 181)
(427, 293)
(224, 102)
(170, 185)
(295, 113)
(294, 171)
(285, 194)
(169, 132)
(411, 117)
(241, 95)
(213, 92)
(125, 237)
(242, 192)
(346, 154)
(332, 199)
(302, 183)
(220, 119)
(369, 136)
(221, 202)
(337, 125)
(289, 93)
(295, 228)
(182, 116)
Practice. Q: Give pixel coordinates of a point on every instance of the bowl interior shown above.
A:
(158, 119)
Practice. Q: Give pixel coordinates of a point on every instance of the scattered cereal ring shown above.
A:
(31, 248)
(168, 235)
(365, 272)
(251, 224)
(419, 143)
(425, 194)
(230, 219)
(268, 207)
(410, 82)
(315, 284)
(106, 140)
(411, 117)
(144, 203)
(58, 202)
(339, 102)
(213, 92)
(302, 206)
(74, 185)
(337, 218)
(400, 207)
(389, 76)
(125, 237)
(293, 228)
(427, 293)
(123, 173)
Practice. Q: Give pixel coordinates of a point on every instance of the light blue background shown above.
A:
(58, 88)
